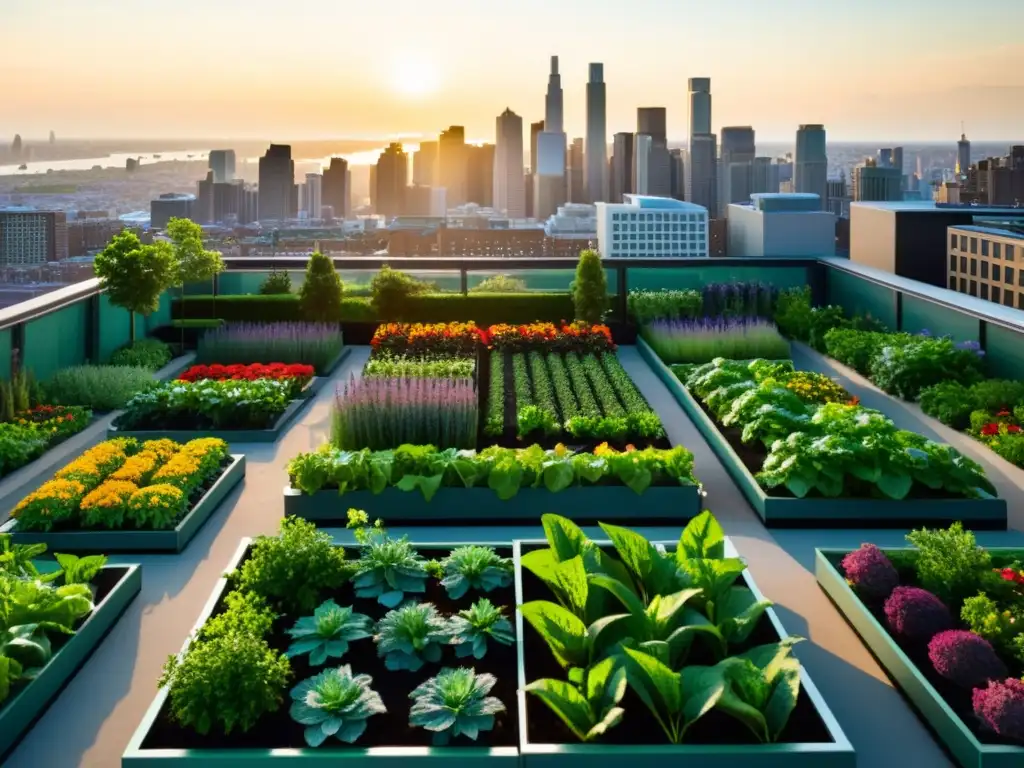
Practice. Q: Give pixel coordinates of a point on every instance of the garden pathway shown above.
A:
(92, 721)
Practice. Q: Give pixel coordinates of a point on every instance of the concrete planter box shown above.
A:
(19, 713)
(817, 512)
(836, 753)
(109, 541)
(135, 756)
(612, 503)
(943, 721)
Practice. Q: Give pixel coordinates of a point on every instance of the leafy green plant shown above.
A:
(500, 284)
(388, 569)
(24, 602)
(411, 636)
(277, 282)
(79, 570)
(151, 354)
(293, 568)
(473, 627)
(245, 613)
(335, 703)
(475, 567)
(645, 306)
(98, 387)
(207, 405)
(858, 348)
(225, 682)
(949, 562)
(320, 294)
(390, 291)
(455, 703)
(591, 709)
(904, 369)
(590, 288)
(494, 424)
(327, 633)
(952, 402)
(17, 559)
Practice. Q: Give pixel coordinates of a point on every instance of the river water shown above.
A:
(88, 163)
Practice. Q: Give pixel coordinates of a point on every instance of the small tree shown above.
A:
(390, 290)
(590, 288)
(134, 275)
(277, 282)
(320, 295)
(193, 263)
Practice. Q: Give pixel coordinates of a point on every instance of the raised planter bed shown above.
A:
(826, 744)
(946, 724)
(269, 435)
(612, 503)
(116, 585)
(107, 541)
(141, 752)
(819, 512)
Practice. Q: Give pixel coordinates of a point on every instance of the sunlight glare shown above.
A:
(415, 76)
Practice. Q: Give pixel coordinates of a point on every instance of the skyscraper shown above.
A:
(553, 100)
(313, 195)
(335, 188)
(536, 129)
(963, 156)
(549, 175)
(424, 164)
(621, 177)
(391, 180)
(642, 149)
(765, 176)
(652, 121)
(577, 189)
(736, 166)
(451, 164)
(480, 174)
(701, 169)
(222, 163)
(677, 178)
(203, 209)
(509, 191)
(700, 105)
(875, 182)
(810, 173)
(277, 184)
(596, 169)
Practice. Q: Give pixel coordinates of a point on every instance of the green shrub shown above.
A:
(150, 354)
(949, 563)
(857, 348)
(500, 284)
(952, 402)
(320, 295)
(276, 283)
(645, 306)
(793, 313)
(590, 288)
(98, 387)
(390, 291)
(904, 368)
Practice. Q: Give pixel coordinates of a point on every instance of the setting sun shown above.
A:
(415, 75)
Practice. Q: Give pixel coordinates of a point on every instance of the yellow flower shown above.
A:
(111, 494)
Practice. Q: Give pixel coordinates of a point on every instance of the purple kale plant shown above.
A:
(1000, 707)
(916, 614)
(870, 572)
(965, 658)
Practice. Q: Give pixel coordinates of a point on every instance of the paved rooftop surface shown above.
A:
(92, 720)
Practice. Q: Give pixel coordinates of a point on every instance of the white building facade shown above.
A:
(652, 228)
(781, 224)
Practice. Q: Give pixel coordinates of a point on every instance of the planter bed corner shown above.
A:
(269, 435)
(171, 541)
(944, 723)
(987, 513)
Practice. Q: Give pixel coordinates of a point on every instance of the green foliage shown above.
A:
(455, 703)
(134, 275)
(390, 291)
(335, 703)
(646, 306)
(793, 312)
(411, 636)
(245, 613)
(150, 354)
(494, 425)
(79, 570)
(294, 568)
(278, 282)
(952, 402)
(320, 294)
(905, 369)
(471, 629)
(327, 633)
(207, 405)
(500, 284)
(225, 682)
(475, 567)
(949, 563)
(18, 394)
(590, 288)
(385, 365)
(193, 263)
(98, 387)
(590, 709)
(388, 569)
(858, 348)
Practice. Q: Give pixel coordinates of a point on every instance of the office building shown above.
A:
(963, 156)
(872, 182)
(421, 200)
(536, 129)
(987, 262)
(810, 174)
(509, 194)
(620, 178)
(229, 202)
(764, 176)
(250, 205)
(702, 172)
(553, 100)
(336, 188)
(88, 235)
(424, 164)
(700, 105)
(780, 225)
(203, 212)
(29, 237)
(596, 151)
(222, 164)
(277, 184)
(677, 170)
(577, 173)
(838, 198)
(171, 206)
(549, 183)
(642, 149)
(736, 166)
(390, 181)
(452, 164)
(652, 121)
(573, 223)
(312, 196)
(480, 174)
(652, 228)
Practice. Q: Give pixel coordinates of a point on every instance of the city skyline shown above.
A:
(773, 68)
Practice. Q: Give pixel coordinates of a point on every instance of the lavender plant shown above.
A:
(316, 344)
(700, 341)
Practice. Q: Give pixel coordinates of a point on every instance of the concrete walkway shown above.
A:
(92, 720)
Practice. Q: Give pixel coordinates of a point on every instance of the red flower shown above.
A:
(1012, 428)
(1003, 412)
(990, 429)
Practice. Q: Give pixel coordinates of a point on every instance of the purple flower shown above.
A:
(965, 658)
(1000, 706)
(870, 572)
(916, 614)
(924, 332)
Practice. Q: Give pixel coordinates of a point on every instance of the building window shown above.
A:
(974, 267)
(952, 283)
(963, 264)
(995, 293)
(1020, 300)
(984, 269)
(996, 273)
(984, 247)
(952, 242)
(963, 285)
(984, 292)
(1009, 252)
(963, 242)
(1008, 275)
(952, 263)
(997, 250)
(974, 288)
(1008, 298)
(974, 245)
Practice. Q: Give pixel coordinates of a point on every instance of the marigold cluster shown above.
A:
(815, 387)
(109, 495)
(564, 337)
(405, 338)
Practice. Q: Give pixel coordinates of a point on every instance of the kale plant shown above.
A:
(410, 636)
(455, 703)
(471, 629)
(335, 703)
(475, 567)
(388, 569)
(327, 633)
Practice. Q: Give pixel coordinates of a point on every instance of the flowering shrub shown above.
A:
(298, 374)
(426, 338)
(1000, 707)
(157, 506)
(548, 337)
(965, 659)
(916, 614)
(137, 469)
(871, 572)
(208, 405)
(813, 387)
(33, 431)
(105, 507)
(53, 503)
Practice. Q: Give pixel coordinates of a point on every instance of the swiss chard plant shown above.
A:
(473, 628)
(388, 569)
(335, 703)
(327, 633)
(455, 703)
(474, 567)
(411, 636)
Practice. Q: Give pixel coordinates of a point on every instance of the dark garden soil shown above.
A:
(638, 727)
(278, 730)
(958, 699)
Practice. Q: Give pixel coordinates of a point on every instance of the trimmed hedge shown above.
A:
(484, 308)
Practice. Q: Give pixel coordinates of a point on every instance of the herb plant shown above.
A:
(472, 628)
(388, 569)
(949, 562)
(411, 636)
(475, 567)
(327, 633)
(335, 703)
(455, 703)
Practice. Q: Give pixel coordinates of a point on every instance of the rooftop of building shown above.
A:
(996, 231)
(930, 206)
(661, 203)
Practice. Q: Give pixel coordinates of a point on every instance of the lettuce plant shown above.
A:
(327, 633)
(410, 636)
(455, 703)
(387, 569)
(35, 602)
(335, 703)
(590, 709)
(472, 628)
(10, 673)
(80, 570)
(475, 567)
(29, 646)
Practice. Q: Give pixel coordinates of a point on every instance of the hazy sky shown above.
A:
(868, 69)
